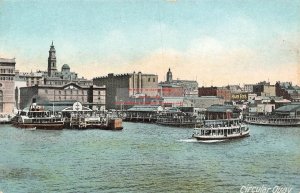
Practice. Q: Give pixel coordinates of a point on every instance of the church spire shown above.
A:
(52, 60)
(169, 76)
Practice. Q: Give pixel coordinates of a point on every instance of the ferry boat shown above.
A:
(38, 118)
(287, 115)
(222, 122)
(177, 119)
(221, 129)
(273, 120)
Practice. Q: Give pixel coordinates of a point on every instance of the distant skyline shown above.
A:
(217, 42)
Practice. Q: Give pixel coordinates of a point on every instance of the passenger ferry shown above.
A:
(177, 119)
(36, 117)
(273, 120)
(221, 129)
(222, 122)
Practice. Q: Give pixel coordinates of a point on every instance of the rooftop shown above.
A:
(6, 60)
(221, 108)
(288, 108)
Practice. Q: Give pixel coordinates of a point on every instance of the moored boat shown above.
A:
(37, 117)
(273, 120)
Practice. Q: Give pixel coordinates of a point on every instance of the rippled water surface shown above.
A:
(146, 158)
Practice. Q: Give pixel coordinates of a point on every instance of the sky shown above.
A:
(216, 42)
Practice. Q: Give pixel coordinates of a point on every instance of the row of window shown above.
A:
(8, 78)
(76, 92)
(7, 71)
(83, 99)
(70, 91)
(149, 79)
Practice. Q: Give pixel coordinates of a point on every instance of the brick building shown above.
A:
(124, 88)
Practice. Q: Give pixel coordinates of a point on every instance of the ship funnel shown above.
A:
(33, 101)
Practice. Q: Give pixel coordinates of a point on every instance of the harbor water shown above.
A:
(146, 158)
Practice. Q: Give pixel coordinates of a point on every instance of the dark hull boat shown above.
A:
(37, 118)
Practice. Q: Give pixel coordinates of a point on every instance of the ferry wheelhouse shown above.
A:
(222, 122)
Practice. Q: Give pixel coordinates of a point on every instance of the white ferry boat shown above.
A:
(222, 122)
(221, 129)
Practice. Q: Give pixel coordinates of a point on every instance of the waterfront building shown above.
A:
(144, 113)
(215, 112)
(289, 110)
(7, 91)
(91, 96)
(122, 88)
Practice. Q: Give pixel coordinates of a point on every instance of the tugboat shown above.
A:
(36, 117)
(222, 122)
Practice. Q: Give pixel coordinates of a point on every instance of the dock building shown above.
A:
(92, 96)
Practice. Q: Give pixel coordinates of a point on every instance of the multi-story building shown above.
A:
(287, 91)
(207, 91)
(31, 78)
(248, 88)
(92, 96)
(222, 92)
(189, 87)
(120, 89)
(7, 88)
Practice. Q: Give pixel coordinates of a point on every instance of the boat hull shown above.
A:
(220, 138)
(47, 126)
(273, 124)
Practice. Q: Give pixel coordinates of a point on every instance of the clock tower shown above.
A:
(52, 61)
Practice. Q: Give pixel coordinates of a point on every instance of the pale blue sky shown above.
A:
(210, 40)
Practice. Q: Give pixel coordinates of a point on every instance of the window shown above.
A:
(153, 79)
(148, 79)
